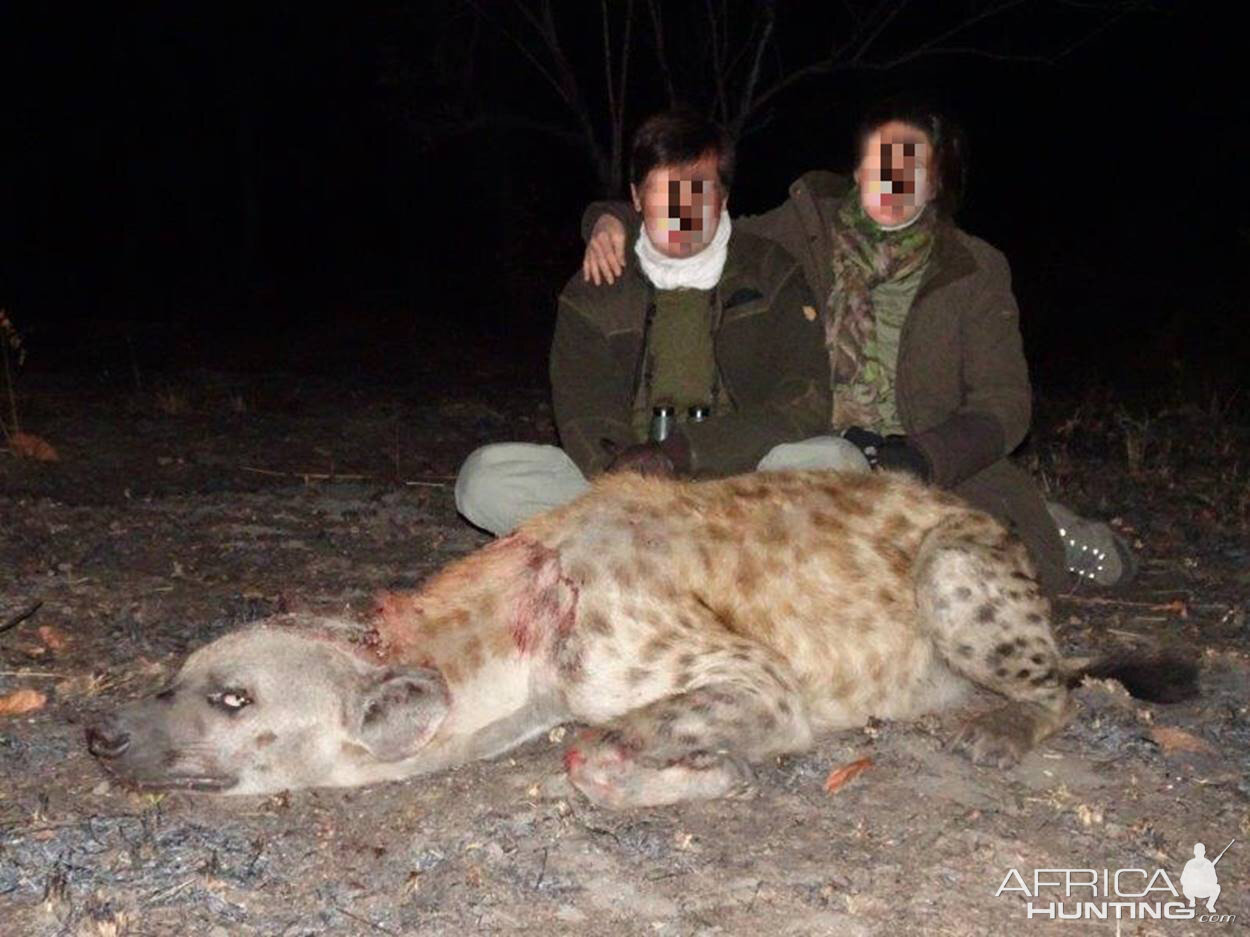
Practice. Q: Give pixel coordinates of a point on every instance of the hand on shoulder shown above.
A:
(604, 260)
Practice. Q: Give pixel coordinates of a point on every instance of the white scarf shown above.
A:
(699, 271)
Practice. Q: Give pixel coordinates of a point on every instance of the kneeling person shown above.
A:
(716, 324)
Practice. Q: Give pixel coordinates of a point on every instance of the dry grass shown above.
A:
(13, 355)
(1110, 454)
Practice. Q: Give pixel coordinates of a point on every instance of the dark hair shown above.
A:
(948, 168)
(678, 138)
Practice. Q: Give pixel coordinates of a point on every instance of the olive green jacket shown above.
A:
(768, 349)
(961, 381)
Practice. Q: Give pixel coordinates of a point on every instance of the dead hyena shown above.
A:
(696, 626)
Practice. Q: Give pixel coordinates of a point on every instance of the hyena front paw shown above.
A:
(999, 738)
(612, 774)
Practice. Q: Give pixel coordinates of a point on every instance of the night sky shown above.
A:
(298, 187)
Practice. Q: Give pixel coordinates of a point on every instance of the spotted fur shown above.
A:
(696, 627)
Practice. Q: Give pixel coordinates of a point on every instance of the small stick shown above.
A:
(430, 481)
(29, 673)
(363, 920)
(21, 617)
(169, 892)
(1176, 605)
(317, 476)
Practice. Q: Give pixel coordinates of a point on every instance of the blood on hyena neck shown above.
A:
(509, 600)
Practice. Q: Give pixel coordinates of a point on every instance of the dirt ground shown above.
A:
(176, 514)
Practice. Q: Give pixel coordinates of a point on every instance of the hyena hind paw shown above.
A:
(997, 739)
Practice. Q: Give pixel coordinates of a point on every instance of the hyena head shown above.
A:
(267, 709)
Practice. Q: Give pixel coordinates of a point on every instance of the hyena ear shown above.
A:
(397, 712)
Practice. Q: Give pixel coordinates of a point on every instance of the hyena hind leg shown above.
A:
(695, 745)
(977, 595)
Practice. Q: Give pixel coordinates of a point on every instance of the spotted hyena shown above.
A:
(696, 627)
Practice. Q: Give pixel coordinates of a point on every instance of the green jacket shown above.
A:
(768, 349)
(961, 380)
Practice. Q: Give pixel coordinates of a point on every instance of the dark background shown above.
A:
(338, 188)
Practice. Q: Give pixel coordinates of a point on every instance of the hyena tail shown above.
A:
(1159, 677)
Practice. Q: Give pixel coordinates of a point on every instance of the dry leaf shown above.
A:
(54, 638)
(29, 446)
(1177, 606)
(839, 776)
(1176, 740)
(21, 701)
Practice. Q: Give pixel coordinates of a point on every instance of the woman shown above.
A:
(920, 325)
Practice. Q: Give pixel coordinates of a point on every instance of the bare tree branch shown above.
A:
(748, 91)
(891, 10)
(607, 62)
(737, 59)
(657, 35)
(721, 105)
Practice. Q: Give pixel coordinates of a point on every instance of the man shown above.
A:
(716, 324)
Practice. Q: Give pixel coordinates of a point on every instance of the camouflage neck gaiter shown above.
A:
(866, 255)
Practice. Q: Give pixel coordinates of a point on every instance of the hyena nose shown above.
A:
(106, 741)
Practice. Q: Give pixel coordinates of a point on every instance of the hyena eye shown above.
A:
(230, 700)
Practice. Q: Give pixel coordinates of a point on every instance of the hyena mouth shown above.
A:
(209, 783)
(181, 782)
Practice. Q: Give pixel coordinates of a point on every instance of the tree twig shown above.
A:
(21, 616)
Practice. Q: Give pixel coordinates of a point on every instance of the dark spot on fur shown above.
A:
(655, 648)
(623, 574)
(1023, 673)
(1005, 649)
(748, 574)
(783, 707)
(686, 738)
(1043, 678)
(963, 592)
(685, 660)
(1038, 659)
(636, 675)
(986, 613)
(1033, 618)
(1000, 672)
(964, 650)
(597, 622)
(581, 573)
(265, 739)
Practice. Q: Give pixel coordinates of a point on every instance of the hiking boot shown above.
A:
(1091, 549)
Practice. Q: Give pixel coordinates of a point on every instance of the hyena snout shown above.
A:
(106, 739)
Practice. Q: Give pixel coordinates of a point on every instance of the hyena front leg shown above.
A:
(977, 595)
(742, 705)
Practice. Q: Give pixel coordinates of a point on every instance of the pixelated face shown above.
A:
(681, 206)
(893, 173)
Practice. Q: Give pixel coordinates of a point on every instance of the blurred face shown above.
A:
(681, 206)
(893, 174)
